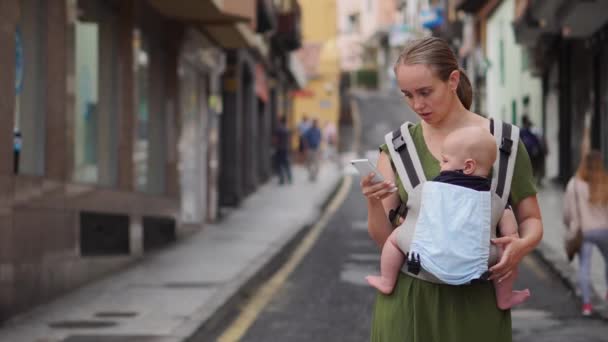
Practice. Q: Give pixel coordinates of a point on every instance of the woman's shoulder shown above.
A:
(415, 132)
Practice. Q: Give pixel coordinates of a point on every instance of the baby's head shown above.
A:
(470, 149)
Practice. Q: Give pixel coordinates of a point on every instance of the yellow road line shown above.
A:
(264, 294)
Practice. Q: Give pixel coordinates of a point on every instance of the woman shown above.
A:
(428, 75)
(586, 208)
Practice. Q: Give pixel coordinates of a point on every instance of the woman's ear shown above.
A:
(470, 165)
(453, 80)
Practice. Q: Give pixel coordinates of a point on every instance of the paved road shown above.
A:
(326, 299)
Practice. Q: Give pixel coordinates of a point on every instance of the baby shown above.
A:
(467, 156)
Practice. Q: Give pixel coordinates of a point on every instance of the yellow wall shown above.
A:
(319, 25)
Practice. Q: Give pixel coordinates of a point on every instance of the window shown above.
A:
(142, 111)
(29, 129)
(525, 59)
(501, 60)
(96, 93)
(152, 114)
(353, 24)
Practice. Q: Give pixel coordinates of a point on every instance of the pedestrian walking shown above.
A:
(312, 141)
(282, 139)
(439, 92)
(303, 127)
(586, 209)
(536, 146)
(330, 136)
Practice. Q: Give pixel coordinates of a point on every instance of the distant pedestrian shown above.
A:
(312, 141)
(330, 137)
(282, 139)
(535, 144)
(586, 208)
(303, 126)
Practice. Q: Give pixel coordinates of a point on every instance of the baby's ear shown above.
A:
(470, 165)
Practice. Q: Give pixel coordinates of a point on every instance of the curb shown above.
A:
(219, 319)
(567, 274)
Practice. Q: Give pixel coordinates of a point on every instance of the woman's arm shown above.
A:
(528, 215)
(380, 200)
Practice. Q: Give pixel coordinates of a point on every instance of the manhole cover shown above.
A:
(113, 338)
(191, 285)
(82, 324)
(116, 314)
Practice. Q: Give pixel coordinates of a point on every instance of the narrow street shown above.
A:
(326, 297)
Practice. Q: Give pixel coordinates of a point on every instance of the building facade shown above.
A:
(568, 43)
(116, 119)
(319, 54)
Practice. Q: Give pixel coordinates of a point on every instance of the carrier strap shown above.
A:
(407, 162)
(405, 157)
(507, 141)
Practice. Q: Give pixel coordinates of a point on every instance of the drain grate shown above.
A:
(114, 338)
(82, 324)
(116, 314)
(192, 285)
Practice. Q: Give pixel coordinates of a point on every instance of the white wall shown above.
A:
(517, 82)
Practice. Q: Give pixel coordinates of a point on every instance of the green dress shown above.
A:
(419, 311)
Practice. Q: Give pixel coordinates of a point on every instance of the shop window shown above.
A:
(151, 121)
(29, 128)
(96, 92)
(142, 110)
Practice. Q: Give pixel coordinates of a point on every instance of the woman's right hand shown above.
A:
(376, 191)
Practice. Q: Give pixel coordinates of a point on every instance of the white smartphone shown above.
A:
(365, 167)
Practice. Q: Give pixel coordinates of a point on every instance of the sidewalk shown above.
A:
(168, 295)
(552, 251)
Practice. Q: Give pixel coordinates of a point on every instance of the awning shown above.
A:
(226, 30)
(201, 11)
(470, 6)
(584, 18)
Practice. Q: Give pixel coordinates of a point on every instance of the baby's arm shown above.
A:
(508, 224)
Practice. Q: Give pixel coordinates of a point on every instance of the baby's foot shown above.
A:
(517, 297)
(382, 284)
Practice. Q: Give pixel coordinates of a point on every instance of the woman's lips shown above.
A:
(425, 115)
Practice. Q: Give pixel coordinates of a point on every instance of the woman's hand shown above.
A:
(514, 251)
(376, 191)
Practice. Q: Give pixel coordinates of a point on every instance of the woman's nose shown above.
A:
(418, 105)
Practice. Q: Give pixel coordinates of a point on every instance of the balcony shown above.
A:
(228, 23)
(288, 36)
(470, 6)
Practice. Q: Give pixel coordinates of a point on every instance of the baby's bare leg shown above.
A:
(505, 296)
(390, 263)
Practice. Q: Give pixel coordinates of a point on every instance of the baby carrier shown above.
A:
(447, 230)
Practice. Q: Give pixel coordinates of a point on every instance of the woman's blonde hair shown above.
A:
(591, 170)
(437, 54)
